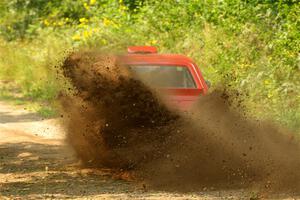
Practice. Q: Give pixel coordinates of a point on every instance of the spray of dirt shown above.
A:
(114, 120)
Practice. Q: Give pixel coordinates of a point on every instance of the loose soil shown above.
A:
(35, 163)
(113, 120)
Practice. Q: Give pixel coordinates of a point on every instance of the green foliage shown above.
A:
(251, 46)
(46, 111)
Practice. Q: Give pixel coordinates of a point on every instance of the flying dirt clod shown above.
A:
(115, 120)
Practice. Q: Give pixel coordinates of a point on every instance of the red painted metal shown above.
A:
(182, 97)
(141, 49)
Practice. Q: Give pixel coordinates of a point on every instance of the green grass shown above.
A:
(47, 112)
(12, 94)
(29, 73)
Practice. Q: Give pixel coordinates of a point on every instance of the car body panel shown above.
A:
(177, 97)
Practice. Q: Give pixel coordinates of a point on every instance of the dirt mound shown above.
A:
(114, 120)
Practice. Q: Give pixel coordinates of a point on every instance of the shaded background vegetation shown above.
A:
(249, 45)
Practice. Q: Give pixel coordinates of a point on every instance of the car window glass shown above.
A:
(165, 76)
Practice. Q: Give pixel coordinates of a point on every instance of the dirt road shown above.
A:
(36, 164)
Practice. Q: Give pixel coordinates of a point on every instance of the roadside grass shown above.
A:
(29, 73)
(12, 94)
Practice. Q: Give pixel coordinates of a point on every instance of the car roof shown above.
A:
(154, 58)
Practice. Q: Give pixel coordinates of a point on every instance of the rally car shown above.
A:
(176, 75)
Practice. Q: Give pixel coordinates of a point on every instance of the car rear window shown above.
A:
(164, 76)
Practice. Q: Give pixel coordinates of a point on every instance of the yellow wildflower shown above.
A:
(106, 21)
(83, 20)
(76, 37)
(266, 82)
(153, 42)
(92, 2)
(87, 34)
(86, 6)
(46, 22)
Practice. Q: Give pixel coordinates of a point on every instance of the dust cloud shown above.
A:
(114, 120)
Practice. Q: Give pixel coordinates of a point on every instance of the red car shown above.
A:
(176, 75)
